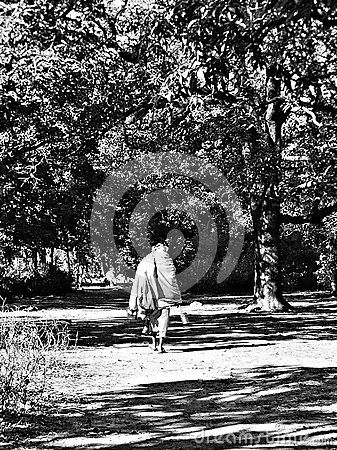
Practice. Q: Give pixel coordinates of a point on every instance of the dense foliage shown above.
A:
(249, 86)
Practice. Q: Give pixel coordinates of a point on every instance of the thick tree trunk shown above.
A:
(268, 290)
(265, 206)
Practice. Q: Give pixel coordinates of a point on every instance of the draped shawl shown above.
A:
(155, 279)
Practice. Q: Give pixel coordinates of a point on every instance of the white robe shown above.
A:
(155, 281)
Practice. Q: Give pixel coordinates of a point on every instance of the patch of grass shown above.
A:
(28, 355)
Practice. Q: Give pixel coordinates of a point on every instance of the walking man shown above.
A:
(154, 291)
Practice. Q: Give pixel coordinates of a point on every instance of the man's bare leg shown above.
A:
(154, 342)
(160, 345)
(163, 322)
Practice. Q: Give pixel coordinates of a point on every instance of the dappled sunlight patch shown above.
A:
(273, 391)
(159, 414)
(242, 378)
(230, 396)
(226, 327)
(98, 442)
(257, 435)
(184, 428)
(222, 414)
(272, 372)
(324, 408)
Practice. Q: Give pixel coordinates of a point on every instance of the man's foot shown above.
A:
(154, 344)
(145, 330)
(161, 345)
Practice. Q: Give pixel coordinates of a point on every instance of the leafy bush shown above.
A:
(12, 282)
(298, 259)
(53, 281)
(28, 351)
(327, 268)
(28, 283)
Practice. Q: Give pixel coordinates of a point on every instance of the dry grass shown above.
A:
(28, 355)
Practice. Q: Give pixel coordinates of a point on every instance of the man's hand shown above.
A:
(131, 313)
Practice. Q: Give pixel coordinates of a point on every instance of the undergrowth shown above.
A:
(29, 354)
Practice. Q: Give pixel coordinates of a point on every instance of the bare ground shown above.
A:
(229, 380)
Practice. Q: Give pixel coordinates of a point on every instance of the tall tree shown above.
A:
(59, 95)
(230, 81)
(266, 61)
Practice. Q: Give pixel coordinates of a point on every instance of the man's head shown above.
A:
(159, 242)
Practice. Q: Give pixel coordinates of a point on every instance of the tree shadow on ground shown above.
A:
(252, 407)
(102, 298)
(279, 406)
(222, 328)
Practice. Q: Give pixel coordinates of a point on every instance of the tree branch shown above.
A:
(319, 107)
(315, 217)
(324, 108)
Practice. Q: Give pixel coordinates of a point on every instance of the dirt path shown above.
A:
(229, 379)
